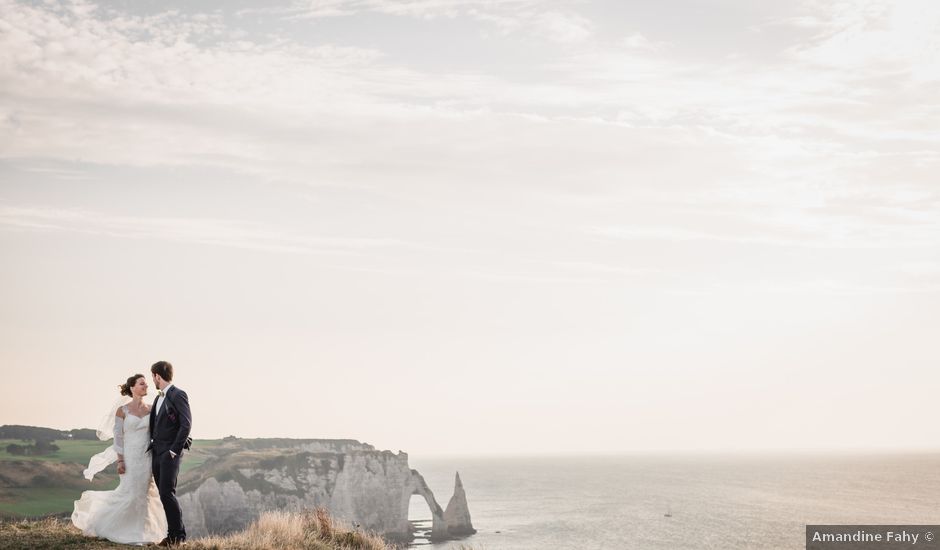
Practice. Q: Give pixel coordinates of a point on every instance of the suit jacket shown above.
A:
(170, 429)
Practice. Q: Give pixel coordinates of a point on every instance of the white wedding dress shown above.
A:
(132, 513)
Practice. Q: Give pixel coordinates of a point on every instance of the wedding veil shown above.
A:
(105, 431)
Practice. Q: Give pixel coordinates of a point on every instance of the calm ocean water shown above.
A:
(716, 502)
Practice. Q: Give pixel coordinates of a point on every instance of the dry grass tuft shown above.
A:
(325, 522)
(310, 530)
(47, 533)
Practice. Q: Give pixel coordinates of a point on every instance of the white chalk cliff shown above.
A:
(354, 481)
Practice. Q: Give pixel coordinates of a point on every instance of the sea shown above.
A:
(674, 502)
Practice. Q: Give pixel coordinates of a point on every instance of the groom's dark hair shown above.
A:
(164, 369)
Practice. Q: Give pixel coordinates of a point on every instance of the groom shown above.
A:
(170, 422)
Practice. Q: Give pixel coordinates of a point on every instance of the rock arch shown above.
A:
(438, 525)
(450, 523)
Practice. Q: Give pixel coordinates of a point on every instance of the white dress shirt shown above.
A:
(161, 399)
(159, 405)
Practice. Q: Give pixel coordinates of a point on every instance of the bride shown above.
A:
(132, 513)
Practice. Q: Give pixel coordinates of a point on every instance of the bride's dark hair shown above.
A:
(131, 382)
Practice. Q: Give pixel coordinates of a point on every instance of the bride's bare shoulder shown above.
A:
(120, 412)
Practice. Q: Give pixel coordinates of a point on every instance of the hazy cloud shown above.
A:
(410, 191)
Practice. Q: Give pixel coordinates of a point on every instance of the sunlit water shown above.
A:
(716, 502)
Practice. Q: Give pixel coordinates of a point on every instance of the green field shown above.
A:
(69, 450)
(80, 451)
(196, 456)
(37, 502)
(41, 501)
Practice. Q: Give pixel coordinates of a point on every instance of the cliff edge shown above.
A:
(365, 487)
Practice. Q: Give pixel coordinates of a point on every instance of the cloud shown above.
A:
(494, 168)
(426, 9)
(875, 36)
(601, 268)
(202, 231)
(818, 155)
(566, 28)
(826, 287)
(547, 20)
(797, 228)
(638, 41)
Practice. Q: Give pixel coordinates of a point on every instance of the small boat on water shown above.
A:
(668, 513)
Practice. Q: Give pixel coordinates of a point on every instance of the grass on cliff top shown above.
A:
(32, 486)
(77, 450)
(312, 530)
(80, 450)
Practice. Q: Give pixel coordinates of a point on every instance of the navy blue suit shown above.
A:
(168, 432)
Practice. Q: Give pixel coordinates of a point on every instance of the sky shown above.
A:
(489, 227)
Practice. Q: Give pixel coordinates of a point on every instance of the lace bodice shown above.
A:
(136, 428)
